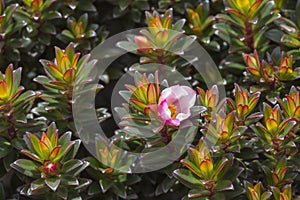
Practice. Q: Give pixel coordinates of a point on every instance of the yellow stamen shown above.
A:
(173, 110)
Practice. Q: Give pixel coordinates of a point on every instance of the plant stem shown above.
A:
(249, 35)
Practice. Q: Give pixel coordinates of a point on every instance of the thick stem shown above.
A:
(166, 137)
(249, 35)
(12, 133)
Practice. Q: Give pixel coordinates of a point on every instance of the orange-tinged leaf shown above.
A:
(257, 187)
(34, 141)
(272, 125)
(250, 61)
(275, 178)
(235, 12)
(9, 78)
(253, 100)
(201, 93)
(191, 167)
(224, 135)
(196, 155)
(206, 167)
(46, 140)
(254, 8)
(297, 112)
(138, 104)
(36, 4)
(144, 80)
(162, 36)
(275, 114)
(288, 192)
(195, 19)
(242, 110)
(151, 94)
(291, 104)
(229, 120)
(142, 42)
(69, 75)
(167, 22)
(64, 64)
(44, 149)
(142, 92)
(30, 155)
(58, 53)
(287, 61)
(54, 71)
(3, 90)
(212, 101)
(253, 71)
(242, 97)
(78, 29)
(157, 22)
(54, 152)
(254, 195)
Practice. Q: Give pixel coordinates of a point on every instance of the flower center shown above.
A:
(173, 110)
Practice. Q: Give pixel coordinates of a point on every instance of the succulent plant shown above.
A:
(204, 175)
(226, 131)
(243, 28)
(51, 166)
(210, 100)
(200, 23)
(277, 132)
(131, 8)
(153, 44)
(255, 192)
(14, 105)
(79, 32)
(244, 146)
(285, 194)
(280, 176)
(244, 105)
(271, 76)
(66, 72)
(145, 93)
(108, 168)
(291, 103)
(8, 27)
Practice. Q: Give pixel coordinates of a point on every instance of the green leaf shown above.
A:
(105, 184)
(5, 147)
(26, 167)
(94, 189)
(69, 180)
(63, 151)
(187, 178)
(2, 192)
(70, 165)
(223, 185)
(298, 13)
(62, 192)
(198, 193)
(51, 15)
(48, 28)
(37, 184)
(78, 170)
(66, 137)
(120, 190)
(53, 183)
(73, 152)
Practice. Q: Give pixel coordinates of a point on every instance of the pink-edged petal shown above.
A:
(163, 110)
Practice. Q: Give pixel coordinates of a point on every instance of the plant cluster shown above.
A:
(242, 146)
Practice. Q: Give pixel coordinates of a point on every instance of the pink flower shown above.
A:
(175, 103)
